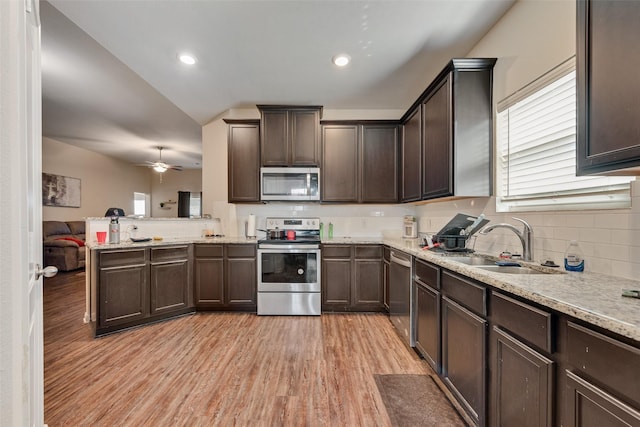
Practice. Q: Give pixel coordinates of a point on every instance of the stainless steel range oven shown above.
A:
(289, 268)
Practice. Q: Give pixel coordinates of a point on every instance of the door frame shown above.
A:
(21, 339)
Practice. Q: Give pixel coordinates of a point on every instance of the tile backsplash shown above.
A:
(609, 239)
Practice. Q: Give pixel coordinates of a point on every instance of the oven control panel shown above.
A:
(293, 223)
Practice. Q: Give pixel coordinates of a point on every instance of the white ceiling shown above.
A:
(112, 83)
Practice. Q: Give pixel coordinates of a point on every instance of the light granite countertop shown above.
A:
(591, 297)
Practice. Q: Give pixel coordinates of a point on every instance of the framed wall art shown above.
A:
(62, 191)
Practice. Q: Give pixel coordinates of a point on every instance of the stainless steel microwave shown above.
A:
(290, 184)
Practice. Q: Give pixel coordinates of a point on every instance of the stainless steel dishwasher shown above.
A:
(401, 295)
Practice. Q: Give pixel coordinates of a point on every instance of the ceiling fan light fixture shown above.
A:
(341, 60)
(160, 168)
(187, 58)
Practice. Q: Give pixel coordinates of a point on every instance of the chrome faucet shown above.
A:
(525, 236)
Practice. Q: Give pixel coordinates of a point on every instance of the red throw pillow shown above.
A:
(73, 239)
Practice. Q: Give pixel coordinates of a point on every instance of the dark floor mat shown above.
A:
(416, 400)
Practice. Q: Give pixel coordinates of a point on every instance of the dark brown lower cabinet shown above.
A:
(241, 276)
(464, 360)
(208, 278)
(352, 278)
(170, 282)
(522, 383)
(428, 324)
(124, 295)
(135, 286)
(590, 406)
(368, 286)
(427, 306)
(225, 277)
(386, 263)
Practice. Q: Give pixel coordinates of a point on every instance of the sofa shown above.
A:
(63, 244)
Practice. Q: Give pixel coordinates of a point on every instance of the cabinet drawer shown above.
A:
(610, 362)
(241, 251)
(169, 253)
(336, 251)
(427, 274)
(526, 322)
(471, 295)
(122, 258)
(209, 251)
(369, 251)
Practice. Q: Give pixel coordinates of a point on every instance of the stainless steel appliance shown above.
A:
(401, 295)
(289, 268)
(290, 184)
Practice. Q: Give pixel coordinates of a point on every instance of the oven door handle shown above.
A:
(287, 248)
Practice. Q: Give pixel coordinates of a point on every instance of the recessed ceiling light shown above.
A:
(341, 60)
(187, 58)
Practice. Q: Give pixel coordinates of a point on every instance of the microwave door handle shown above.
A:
(309, 184)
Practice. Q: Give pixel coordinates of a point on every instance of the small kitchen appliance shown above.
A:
(409, 227)
(290, 184)
(114, 230)
(289, 267)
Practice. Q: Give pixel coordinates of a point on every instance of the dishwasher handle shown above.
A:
(401, 261)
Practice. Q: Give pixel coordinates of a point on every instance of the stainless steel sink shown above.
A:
(511, 269)
(473, 260)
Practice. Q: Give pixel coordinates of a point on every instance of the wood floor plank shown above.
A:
(217, 368)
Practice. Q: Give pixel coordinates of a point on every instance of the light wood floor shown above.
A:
(217, 368)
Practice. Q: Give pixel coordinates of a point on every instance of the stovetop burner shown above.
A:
(307, 230)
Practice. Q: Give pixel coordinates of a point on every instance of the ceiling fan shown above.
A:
(160, 166)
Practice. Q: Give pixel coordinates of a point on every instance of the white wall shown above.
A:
(108, 182)
(167, 190)
(105, 181)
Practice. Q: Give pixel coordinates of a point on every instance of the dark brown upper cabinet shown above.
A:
(411, 157)
(607, 60)
(339, 173)
(360, 162)
(437, 167)
(290, 135)
(243, 161)
(453, 118)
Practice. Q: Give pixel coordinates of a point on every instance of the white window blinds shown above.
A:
(536, 140)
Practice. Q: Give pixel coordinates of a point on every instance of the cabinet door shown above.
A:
(123, 295)
(275, 138)
(244, 163)
(379, 164)
(209, 282)
(305, 137)
(428, 324)
(411, 157)
(367, 285)
(522, 384)
(464, 357)
(169, 286)
(241, 282)
(590, 406)
(608, 57)
(437, 166)
(336, 284)
(339, 163)
(385, 277)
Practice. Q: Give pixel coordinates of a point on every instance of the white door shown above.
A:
(21, 340)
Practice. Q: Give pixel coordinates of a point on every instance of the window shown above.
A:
(141, 204)
(536, 144)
